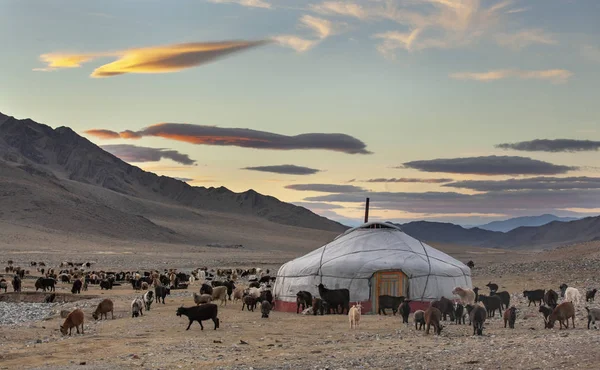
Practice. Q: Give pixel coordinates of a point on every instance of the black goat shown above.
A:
(304, 299)
(404, 310)
(504, 297)
(546, 311)
(45, 283)
(207, 311)
(445, 306)
(249, 302)
(471, 264)
(160, 292)
(266, 295)
(336, 298)
(265, 309)
(319, 305)
(459, 314)
(106, 284)
(493, 287)
(534, 296)
(77, 284)
(551, 298)
(388, 301)
(206, 289)
(477, 315)
(590, 295)
(492, 303)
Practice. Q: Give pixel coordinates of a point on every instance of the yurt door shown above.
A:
(392, 283)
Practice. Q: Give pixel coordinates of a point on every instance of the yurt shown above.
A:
(372, 260)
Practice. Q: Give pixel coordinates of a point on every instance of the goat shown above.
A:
(137, 307)
(160, 292)
(388, 301)
(563, 312)
(404, 310)
(459, 314)
(148, 299)
(534, 296)
(336, 298)
(249, 302)
(572, 295)
(76, 289)
(590, 295)
(103, 309)
(200, 313)
(504, 298)
(354, 316)
(304, 299)
(202, 298)
(445, 306)
(419, 319)
(220, 293)
(477, 315)
(546, 311)
(433, 316)
(510, 316)
(491, 303)
(74, 319)
(318, 305)
(551, 298)
(493, 287)
(467, 296)
(593, 315)
(265, 309)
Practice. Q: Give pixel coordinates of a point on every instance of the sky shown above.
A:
(463, 111)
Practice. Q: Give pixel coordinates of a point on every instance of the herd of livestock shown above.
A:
(220, 286)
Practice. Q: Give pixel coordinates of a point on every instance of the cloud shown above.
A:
(534, 183)
(509, 202)
(409, 180)
(326, 188)
(322, 27)
(340, 8)
(103, 134)
(556, 76)
(554, 146)
(285, 169)
(243, 137)
(317, 205)
(246, 3)
(153, 59)
(396, 40)
(490, 165)
(133, 153)
(525, 38)
(184, 179)
(297, 43)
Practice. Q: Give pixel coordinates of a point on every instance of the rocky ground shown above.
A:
(29, 337)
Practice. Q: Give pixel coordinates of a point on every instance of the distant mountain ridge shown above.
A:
(529, 221)
(63, 154)
(553, 234)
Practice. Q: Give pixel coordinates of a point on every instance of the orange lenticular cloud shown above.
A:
(153, 59)
(103, 134)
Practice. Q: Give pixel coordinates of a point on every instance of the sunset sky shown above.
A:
(453, 110)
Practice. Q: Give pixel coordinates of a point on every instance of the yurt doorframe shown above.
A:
(388, 282)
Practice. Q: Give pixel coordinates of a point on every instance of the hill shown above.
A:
(513, 223)
(53, 180)
(549, 235)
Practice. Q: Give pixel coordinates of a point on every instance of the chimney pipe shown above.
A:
(367, 211)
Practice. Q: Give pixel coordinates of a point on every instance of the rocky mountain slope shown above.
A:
(513, 223)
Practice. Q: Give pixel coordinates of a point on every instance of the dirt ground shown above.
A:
(158, 340)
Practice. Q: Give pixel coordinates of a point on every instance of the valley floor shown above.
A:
(158, 340)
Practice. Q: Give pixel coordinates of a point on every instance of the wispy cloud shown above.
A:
(556, 76)
(297, 43)
(241, 137)
(284, 169)
(246, 3)
(153, 59)
(533, 183)
(553, 146)
(320, 27)
(134, 153)
(525, 38)
(409, 180)
(344, 8)
(490, 165)
(326, 188)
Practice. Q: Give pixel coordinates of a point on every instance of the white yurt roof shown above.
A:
(351, 259)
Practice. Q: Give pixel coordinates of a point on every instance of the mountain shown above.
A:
(513, 223)
(553, 234)
(56, 180)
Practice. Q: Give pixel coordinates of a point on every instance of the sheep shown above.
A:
(354, 316)
(202, 298)
(148, 299)
(265, 309)
(459, 314)
(76, 289)
(103, 309)
(551, 298)
(137, 307)
(335, 297)
(238, 294)
(74, 319)
(572, 295)
(318, 306)
(445, 306)
(493, 287)
(467, 296)
(510, 316)
(220, 293)
(388, 301)
(593, 315)
(200, 313)
(249, 302)
(404, 310)
(160, 292)
(590, 295)
(433, 316)
(304, 299)
(563, 312)
(534, 296)
(419, 319)
(546, 311)
(504, 298)
(477, 315)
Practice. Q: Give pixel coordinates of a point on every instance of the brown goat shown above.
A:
(103, 309)
(433, 316)
(74, 319)
(563, 312)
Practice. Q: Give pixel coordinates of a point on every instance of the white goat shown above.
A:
(572, 295)
(137, 307)
(467, 296)
(354, 316)
(148, 299)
